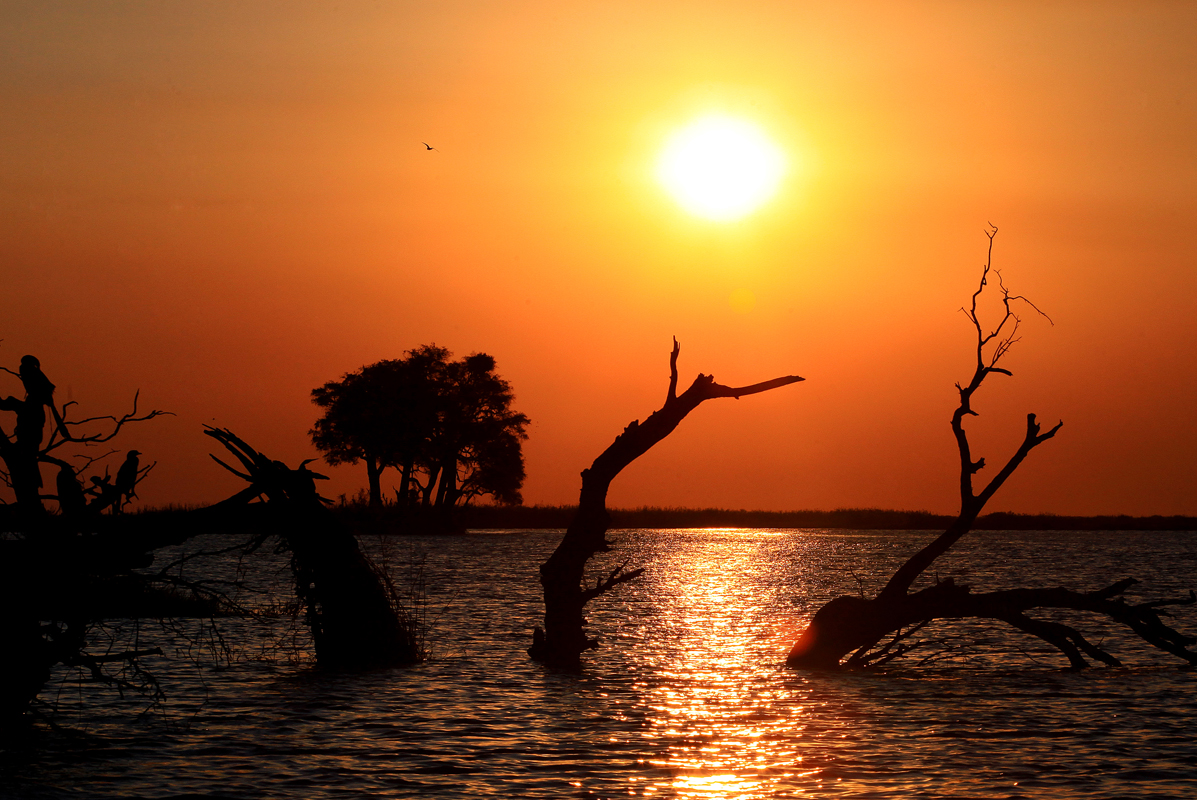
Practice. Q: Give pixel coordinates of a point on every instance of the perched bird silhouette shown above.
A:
(126, 476)
(428, 146)
(37, 386)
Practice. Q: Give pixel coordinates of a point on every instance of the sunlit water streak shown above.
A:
(687, 699)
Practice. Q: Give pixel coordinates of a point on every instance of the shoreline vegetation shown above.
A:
(391, 519)
(844, 518)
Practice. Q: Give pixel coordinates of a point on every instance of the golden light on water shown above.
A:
(721, 168)
(730, 724)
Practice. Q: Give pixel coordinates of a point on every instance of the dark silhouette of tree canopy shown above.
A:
(849, 631)
(562, 640)
(446, 425)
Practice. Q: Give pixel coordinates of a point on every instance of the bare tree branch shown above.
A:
(855, 625)
(61, 432)
(563, 639)
(677, 348)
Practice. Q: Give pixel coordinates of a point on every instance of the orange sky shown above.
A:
(227, 204)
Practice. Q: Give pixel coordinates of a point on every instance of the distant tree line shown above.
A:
(554, 517)
(447, 427)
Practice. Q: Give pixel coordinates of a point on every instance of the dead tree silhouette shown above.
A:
(355, 621)
(848, 631)
(59, 574)
(563, 639)
(29, 446)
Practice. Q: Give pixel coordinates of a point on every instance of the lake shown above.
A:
(687, 698)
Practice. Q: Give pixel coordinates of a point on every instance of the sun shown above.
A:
(721, 168)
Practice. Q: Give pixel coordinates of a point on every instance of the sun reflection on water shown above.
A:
(725, 725)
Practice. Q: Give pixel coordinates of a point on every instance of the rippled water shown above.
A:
(688, 697)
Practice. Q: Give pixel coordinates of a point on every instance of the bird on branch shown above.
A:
(126, 476)
(38, 388)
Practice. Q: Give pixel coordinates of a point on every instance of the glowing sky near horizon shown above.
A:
(225, 205)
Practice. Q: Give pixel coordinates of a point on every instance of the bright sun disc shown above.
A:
(721, 168)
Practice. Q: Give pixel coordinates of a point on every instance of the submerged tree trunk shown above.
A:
(848, 630)
(354, 620)
(563, 639)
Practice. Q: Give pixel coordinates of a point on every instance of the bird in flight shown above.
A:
(428, 146)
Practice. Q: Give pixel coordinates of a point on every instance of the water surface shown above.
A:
(687, 698)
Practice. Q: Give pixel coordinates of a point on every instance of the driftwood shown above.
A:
(848, 631)
(563, 639)
(354, 619)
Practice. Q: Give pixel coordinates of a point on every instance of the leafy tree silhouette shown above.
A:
(447, 426)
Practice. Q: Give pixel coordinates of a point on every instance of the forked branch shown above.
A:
(61, 432)
(971, 502)
(563, 639)
(847, 630)
(948, 600)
